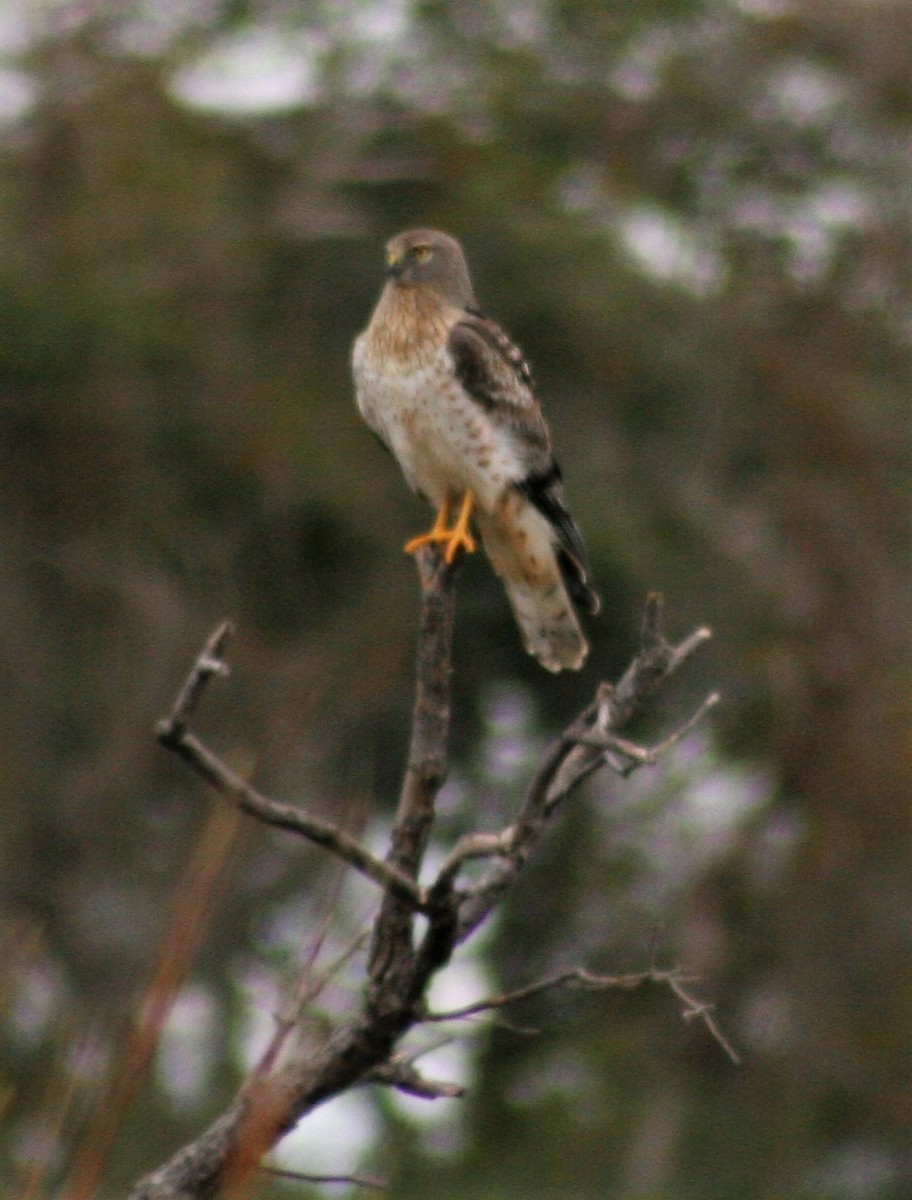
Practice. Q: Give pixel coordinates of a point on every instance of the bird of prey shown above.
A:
(451, 396)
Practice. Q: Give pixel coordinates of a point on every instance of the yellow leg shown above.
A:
(455, 539)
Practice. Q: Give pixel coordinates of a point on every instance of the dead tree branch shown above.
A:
(173, 733)
(364, 1181)
(590, 741)
(403, 959)
(401, 1074)
(676, 979)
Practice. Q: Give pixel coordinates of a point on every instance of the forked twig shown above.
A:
(173, 733)
(675, 979)
(592, 740)
(404, 956)
(624, 756)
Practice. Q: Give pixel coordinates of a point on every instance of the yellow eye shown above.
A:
(421, 253)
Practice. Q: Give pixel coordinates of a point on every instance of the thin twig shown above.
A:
(643, 756)
(697, 1009)
(589, 742)
(476, 845)
(365, 1181)
(400, 1074)
(208, 662)
(674, 979)
(173, 733)
(307, 989)
(195, 904)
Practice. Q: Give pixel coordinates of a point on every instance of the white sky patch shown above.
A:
(638, 72)
(663, 248)
(262, 999)
(254, 72)
(18, 95)
(841, 204)
(463, 982)
(332, 1140)
(373, 21)
(17, 18)
(680, 817)
(765, 9)
(812, 225)
(187, 1050)
(38, 995)
(716, 806)
(805, 93)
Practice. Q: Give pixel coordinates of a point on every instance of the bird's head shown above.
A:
(429, 258)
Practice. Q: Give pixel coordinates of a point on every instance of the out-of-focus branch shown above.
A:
(195, 903)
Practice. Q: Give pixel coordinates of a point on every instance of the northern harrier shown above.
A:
(451, 396)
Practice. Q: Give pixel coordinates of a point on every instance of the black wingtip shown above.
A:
(576, 578)
(545, 492)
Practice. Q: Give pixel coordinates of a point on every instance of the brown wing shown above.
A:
(493, 371)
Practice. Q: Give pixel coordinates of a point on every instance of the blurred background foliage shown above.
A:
(694, 215)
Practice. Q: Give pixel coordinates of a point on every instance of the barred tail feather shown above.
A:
(549, 627)
(521, 545)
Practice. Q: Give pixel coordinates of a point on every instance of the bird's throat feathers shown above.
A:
(410, 323)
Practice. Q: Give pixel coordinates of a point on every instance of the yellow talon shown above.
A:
(455, 539)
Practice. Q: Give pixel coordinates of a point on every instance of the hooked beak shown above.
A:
(394, 264)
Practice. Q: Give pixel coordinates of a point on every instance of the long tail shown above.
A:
(547, 494)
(527, 552)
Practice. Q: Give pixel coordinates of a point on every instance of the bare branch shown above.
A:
(642, 756)
(674, 979)
(267, 1106)
(392, 950)
(616, 706)
(365, 1181)
(552, 982)
(574, 977)
(697, 1009)
(476, 845)
(362, 1048)
(209, 662)
(173, 733)
(402, 1075)
(586, 744)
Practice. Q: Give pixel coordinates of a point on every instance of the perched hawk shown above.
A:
(448, 392)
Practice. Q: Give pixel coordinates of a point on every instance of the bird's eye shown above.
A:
(421, 253)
